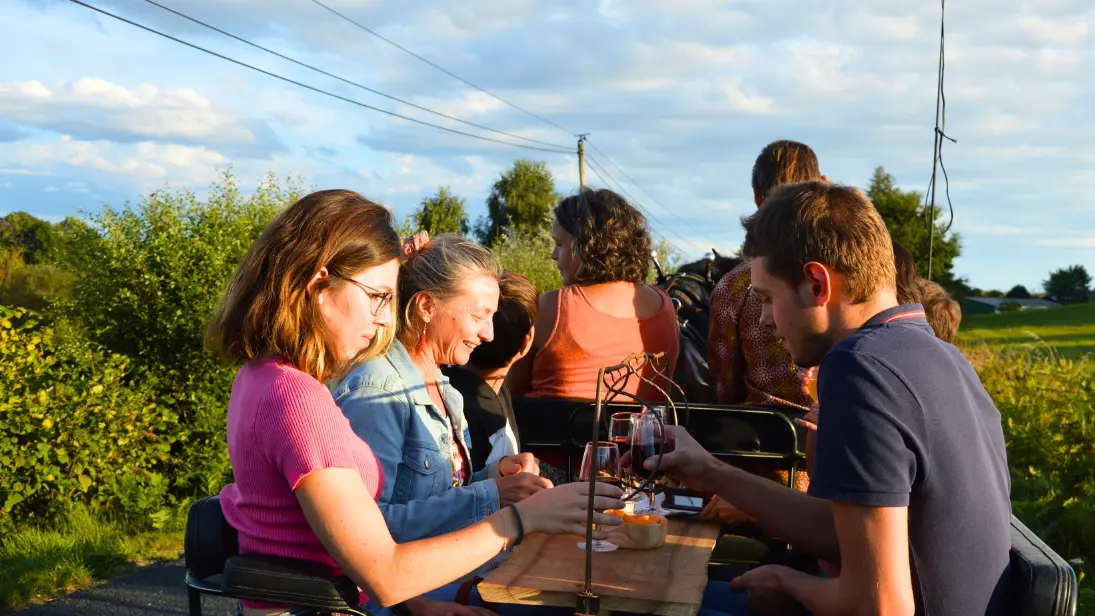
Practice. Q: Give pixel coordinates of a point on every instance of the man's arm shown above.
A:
(875, 577)
(801, 520)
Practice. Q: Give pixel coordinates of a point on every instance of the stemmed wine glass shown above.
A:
(647, 439)
(619, 432)
(606, 456)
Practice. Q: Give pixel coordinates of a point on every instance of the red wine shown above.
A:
(642, 452)
(614, 481)
(623, 444)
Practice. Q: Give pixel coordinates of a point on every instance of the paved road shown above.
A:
(156, 589)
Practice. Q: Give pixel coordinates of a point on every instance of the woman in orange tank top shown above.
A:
(605, 311)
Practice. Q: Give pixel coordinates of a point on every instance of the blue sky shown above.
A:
(681, 95)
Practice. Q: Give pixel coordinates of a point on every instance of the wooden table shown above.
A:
(550, 570)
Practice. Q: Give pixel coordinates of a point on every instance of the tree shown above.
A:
(906, 218)
(37, 239)
(1018, 292)
(440, 213)
(529, 253)
(148, 278)
(1068, 285)
(668, 257)
(522, 200)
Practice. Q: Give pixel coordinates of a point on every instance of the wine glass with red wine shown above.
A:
(606, 457)
(647, 440)
(619, 432)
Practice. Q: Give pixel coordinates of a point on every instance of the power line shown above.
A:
(606, 178)
(937, 147)
(312, 88)
(352, 83)
(646, 192)
(444, 70)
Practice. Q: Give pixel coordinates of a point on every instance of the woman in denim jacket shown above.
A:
(406, 410)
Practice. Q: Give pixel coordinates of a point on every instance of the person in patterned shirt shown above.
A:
(748, 363)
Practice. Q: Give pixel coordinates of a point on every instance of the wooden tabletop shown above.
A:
(550, 570)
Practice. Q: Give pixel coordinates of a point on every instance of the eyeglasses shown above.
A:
(380, 298)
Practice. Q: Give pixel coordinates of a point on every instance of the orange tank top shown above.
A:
(584, 340)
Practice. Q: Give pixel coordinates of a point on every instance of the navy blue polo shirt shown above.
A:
(905, 422)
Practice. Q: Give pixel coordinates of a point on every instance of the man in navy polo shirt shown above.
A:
(910, 492)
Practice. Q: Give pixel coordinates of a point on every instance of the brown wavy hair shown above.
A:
(611, 237)
(267, 308)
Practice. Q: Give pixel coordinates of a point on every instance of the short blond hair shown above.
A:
(439, 269)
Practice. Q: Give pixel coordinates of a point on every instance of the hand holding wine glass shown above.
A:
(602, 461)
(647, 442)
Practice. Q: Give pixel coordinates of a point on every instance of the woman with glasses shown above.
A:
(310, 297)
(404, 407)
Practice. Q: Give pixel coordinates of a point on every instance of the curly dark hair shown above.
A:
(611, 238)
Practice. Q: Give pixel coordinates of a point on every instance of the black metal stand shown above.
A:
(614, 379)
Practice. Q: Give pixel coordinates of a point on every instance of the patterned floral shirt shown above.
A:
(748, 363)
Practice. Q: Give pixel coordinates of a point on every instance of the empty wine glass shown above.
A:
(603, 456)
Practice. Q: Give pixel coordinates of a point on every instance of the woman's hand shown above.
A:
(809, 420)
(520, 463)
(516, 488)
(562, 509)
(415, 243)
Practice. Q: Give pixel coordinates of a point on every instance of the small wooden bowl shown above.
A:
(638, 532)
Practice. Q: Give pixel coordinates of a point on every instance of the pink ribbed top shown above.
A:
(282, 425)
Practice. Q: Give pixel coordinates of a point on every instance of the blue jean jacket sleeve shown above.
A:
(381, 419)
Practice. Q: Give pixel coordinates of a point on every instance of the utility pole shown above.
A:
(582, 159)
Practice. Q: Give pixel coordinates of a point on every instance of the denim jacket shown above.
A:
(386, 402)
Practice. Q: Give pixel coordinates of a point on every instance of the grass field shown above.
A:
(1069, 331)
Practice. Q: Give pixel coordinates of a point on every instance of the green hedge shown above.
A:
(73, 429)
(1048, 407)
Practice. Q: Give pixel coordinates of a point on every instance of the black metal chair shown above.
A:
(731, 433)
(215, 567)
(1042, 583)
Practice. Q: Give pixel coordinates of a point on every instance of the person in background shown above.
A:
(404, 407)
(943, 313)
(605, 310)
(311, 296)
(748, 363)
(488, 405)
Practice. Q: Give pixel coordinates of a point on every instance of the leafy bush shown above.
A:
(529, 252)
(35, 286)
(1048, 409)
(1009, 307)
(148, 279)
(72, 430)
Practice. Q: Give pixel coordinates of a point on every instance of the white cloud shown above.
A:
(94, 108)
(1069, 31)
(141, 161)
(1069, 242)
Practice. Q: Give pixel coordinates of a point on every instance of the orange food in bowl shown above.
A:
(638, 532)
